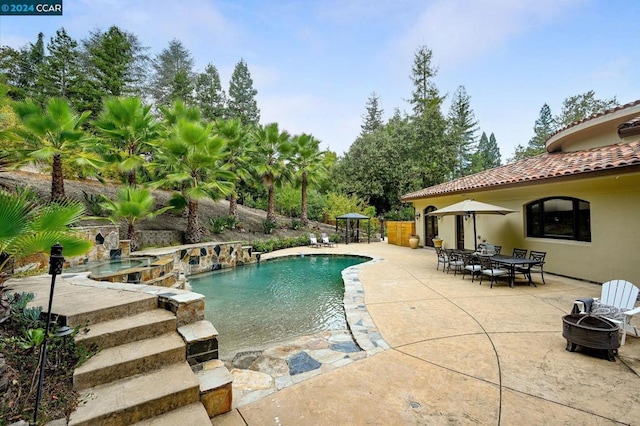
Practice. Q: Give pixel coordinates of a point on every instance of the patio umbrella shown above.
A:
(471, 207)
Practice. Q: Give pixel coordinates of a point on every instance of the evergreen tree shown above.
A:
(173, 71)
(61, 74)
(114, 61)
(544, 127)
(425, 94)
(209, 96)
(373, 117)
(578, 107)
(461, 131)
(487, 156)
(429, 156)
(10, 71)
(242, 96)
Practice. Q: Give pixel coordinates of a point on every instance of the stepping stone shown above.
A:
(301, 363)
(346, 347)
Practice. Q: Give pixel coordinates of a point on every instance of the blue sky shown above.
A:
(315, 63)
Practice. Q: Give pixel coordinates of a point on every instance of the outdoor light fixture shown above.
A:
(56, 260)
(417, 215)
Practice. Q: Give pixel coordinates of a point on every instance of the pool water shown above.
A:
(258, 305)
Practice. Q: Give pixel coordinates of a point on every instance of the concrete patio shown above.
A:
(460, 353)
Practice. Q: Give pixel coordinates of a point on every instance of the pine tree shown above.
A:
(544, 127)
(373, 117)
(113, 61)
(61, 74)
(173, 73)
(461, 131)
(209, 96)
(242, 96)
(425, 94)
(487, 156)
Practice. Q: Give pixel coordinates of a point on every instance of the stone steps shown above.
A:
(192, 414)
(138, 398)
(125, 360)
(97, 311)
(129, 329)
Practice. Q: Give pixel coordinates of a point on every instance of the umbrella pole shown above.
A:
(475, 239)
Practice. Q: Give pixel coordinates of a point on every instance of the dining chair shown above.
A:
(535, 269)
(520, 253)
(471, 266)
(497, 249)
(442, 258)
(455, 261)
(489, 269)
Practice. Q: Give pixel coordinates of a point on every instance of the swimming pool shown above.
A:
(111, 266)
(255, 306)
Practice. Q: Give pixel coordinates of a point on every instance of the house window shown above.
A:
(559, 217)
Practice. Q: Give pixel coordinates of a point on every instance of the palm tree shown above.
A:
(272, 148)
(52, 134)
(129, 129)
(131, 205)
(191, 162)
(28, 228)
(237, 155)
(309, 165)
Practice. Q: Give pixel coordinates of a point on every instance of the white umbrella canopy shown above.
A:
(471, 207)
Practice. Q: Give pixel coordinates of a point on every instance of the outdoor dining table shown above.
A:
(511, 262)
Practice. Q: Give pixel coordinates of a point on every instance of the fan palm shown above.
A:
(191, 161)
(272, 148)
(309, 165)
(27, 228)
(237, 156)
(129, 129)
(132, 205)
(51, 134)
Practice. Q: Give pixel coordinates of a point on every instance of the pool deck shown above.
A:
(458, 353)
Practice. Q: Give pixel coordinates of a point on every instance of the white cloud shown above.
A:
(459, 31)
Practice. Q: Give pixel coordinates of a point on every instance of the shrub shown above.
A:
(268, 226)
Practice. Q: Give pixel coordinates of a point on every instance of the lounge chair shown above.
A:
(326, 241)
(313, 241)
(616, 303)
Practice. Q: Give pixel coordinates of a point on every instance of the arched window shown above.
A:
(559, 217)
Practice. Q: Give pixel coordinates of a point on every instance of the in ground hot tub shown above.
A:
(591, 331)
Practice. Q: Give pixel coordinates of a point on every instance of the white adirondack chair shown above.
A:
(617, 296)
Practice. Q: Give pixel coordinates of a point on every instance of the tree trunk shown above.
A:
(271, 206)
(305, 220)
(57, 180)
(233, 205)
(131, 178)
(192, 235)
(131, 235)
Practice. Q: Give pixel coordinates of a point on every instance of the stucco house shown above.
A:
(579, 201)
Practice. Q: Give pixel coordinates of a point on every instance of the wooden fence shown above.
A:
(399, 232)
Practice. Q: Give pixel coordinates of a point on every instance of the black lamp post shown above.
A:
(56, 260)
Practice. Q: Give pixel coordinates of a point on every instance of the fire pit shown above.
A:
(591, 331)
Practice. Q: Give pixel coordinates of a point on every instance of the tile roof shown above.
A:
(541, 167)
(630, 127)
(592, 116)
